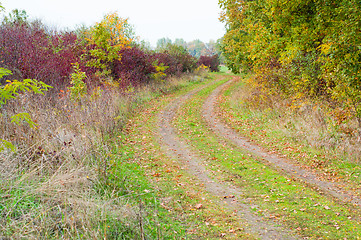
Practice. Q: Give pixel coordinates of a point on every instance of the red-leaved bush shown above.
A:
(184, 60)
(174, 67)
(30, 50)
(135, 67)
(210, 61)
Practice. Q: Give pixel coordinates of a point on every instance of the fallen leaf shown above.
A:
(230, 196)
(198, 206)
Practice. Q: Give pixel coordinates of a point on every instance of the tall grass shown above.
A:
(55, 185)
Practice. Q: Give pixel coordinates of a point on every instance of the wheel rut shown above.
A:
(281, 164)
(175, 148)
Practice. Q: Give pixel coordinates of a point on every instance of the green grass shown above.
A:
(260, 125)
(167, 193)
(270, 193)
(224, 69)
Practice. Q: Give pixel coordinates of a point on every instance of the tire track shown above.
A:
(281, 164)
(177, 149)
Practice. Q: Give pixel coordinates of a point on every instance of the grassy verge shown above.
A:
(269, 193)
(292, 134)
(79, 176)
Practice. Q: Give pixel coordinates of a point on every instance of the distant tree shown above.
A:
(16, 16)
(144, 45)
(219, 51)
(163, 42)
(180, 42)
(211, 47)
(196, 48)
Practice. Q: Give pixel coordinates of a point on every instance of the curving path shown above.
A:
(175, 148)
(281, 164)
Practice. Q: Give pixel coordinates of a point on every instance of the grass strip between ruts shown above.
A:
(268, 192)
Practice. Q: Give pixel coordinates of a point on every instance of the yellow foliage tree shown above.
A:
(106, 39)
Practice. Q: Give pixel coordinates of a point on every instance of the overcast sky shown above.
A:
(152, 19)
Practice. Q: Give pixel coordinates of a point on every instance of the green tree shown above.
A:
(196, 48)
(16, 16)
(180, 42)
(305, 48)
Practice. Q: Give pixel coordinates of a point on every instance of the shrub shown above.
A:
(187, 62)
(32, 51)
(174, 68)
(78, 89)
(11, 91)
(104, 52)
(212, 62)
(135, 67)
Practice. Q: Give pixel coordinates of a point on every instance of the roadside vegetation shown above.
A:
(300, 96)
(309, 137)
(67, 169)
(305, 60)
(81, 149)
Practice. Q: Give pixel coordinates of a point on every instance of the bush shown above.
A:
(32, 51)
(212, 62)
(105, 52)
(174, 68)
(186, 61)
(135, 67)
(105, 41)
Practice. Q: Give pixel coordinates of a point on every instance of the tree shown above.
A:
(16, 16)
(196, 48)
(163, 42)
(180, 42)
(106, 39)
(302, 48)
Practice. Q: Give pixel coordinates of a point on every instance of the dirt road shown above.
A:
(228, 195)
(271, 196)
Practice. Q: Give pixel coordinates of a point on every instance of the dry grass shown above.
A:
(304, 120)
(48, 186)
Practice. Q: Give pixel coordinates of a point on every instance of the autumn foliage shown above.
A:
(299, 48)
(212, 62)
(31, 50)
(106, 52)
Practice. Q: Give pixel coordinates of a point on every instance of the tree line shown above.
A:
(108, 52)
(301, 48)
